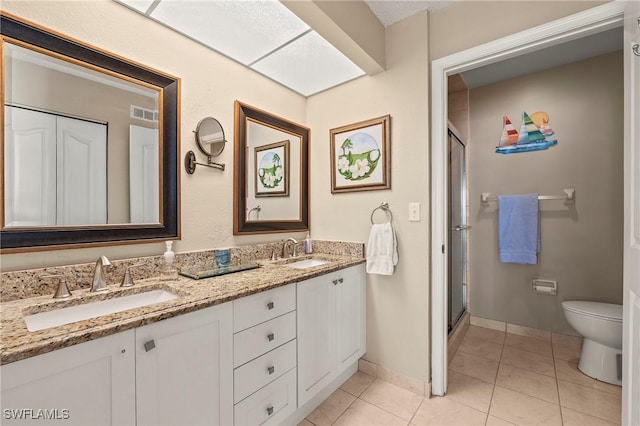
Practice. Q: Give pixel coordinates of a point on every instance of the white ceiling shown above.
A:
(267, 37)
(391, 11)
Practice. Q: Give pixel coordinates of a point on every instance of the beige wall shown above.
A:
(398, 305)
(210, 84)
(581, 244)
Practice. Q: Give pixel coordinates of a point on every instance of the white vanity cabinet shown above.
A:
(265, 359)
(331, 328)
(184, 369)
(92, 383)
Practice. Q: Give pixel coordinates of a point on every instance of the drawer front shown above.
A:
(262, 338)
(271, 405)
(260, 307)
(262, 371)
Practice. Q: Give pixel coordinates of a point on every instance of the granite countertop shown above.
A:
(16, 342)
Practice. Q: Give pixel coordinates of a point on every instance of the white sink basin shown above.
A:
(307, 263)
(57, 317)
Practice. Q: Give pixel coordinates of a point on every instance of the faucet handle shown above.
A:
(127, 281)
(62, 292)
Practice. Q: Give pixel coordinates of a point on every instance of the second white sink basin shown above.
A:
(307, 263)
(57, 317)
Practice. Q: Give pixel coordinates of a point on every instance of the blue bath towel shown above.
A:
(519, 228)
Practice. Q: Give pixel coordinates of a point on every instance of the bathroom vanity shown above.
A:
(263, 346)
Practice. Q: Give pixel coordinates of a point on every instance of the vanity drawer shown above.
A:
(262, 371)
(260, 307)
(271, 405)
(262, 338)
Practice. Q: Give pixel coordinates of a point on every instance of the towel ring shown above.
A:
(384, 207)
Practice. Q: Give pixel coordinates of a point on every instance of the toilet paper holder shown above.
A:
(544, 286)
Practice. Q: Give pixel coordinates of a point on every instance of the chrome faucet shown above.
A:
(99, 283)
(294, 253)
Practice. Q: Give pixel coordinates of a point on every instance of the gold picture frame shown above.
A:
(361, 156)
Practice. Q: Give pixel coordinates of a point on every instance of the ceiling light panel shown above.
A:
(308, 65)
(242, 30)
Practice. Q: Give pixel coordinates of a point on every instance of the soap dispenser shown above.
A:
(168, 271)
(308, 248)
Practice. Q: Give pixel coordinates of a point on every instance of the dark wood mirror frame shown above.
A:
(243, 112)
(70, 237)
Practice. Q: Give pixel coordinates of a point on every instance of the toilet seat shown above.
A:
(605, 311)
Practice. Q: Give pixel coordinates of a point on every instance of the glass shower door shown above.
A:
(457, 230)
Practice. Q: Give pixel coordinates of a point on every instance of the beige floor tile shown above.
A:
(528, 360)
(399, 402)
(480, 368)
(331, 408)
(565, 352)
(529, 344)
(357, 383)
(365, 414)
(566, 340)
(590, 401)
(576, 418)
(567, 370)
(527, 382)
(444, 411)
(305, 422)
(469, 391)
(481, 348)
(521, 409)
(494, 421)
(485, 334)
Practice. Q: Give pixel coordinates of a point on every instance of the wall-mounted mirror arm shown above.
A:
(190, 163)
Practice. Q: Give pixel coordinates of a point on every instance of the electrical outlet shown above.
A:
(414, 212)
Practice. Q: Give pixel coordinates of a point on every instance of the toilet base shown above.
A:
(600, 362)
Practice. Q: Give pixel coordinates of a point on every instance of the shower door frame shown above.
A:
(453, 136)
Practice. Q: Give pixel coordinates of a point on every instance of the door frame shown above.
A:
(591, 21)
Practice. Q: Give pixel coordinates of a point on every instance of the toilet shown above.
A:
(601, 326)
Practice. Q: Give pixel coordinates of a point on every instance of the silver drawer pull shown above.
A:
(271, 370)
(270, 336)
(149, 345)
(270, 305)
(341, 280)
(269, 411)
(335, 282)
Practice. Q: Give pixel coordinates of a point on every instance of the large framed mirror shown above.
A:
(271, 174)
(89, 147)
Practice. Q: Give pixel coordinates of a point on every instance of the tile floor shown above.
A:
(495, 378)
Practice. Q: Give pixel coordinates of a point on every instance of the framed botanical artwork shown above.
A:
(361, 156)
(272, 169)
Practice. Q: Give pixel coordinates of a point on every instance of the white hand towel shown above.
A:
(382, 249)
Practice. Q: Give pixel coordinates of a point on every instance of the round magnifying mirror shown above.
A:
(210, 137)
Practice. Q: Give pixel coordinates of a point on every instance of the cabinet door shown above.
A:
(350, 315)
(87, 384)
(184, 369)
(316, 335)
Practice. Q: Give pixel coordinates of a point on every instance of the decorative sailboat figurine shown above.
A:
(529, 139)
(509, 133)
